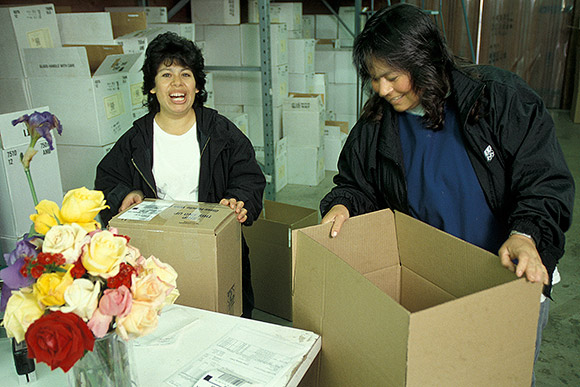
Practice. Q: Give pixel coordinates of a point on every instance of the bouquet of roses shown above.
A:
(69, 282)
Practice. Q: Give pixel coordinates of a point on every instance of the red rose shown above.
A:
(59, 339)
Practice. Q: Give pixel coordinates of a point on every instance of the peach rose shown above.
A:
(104, 253)
(141, 321)
(67, 240)
(148, 287)
(22, 310)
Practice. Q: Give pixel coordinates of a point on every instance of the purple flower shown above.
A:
(24, 248)
(13, 280)
(40, 125)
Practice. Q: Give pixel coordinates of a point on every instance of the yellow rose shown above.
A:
(48, 215)
(104, 253)
(50, 287)
(82, 298)
(164, 271)
(67, 239)
(141, 321)
(22, 310)
(81, 206)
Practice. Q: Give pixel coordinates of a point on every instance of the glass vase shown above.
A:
(108, 365)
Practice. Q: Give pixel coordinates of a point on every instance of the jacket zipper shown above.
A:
(144, 179)
(204, 146)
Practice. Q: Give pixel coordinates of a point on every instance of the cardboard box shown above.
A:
(305, 165)
(342, 98)
(124, 23)
(270, 242)
(153, 14)
(238, 119)
(251, 44)
(215, 11)
(256, 124)
(301, 83)
(288, 13)
(137, 42)
(303, 120)
(309, 26)
(344, 70)
(335, 134)
(23, 27)
(223, 45)
(325, 62)
(85, 28)
(186, 30)
(14, 95)
(348, 15)
(400, 303)
(202, 241)
(17, 203)
(301, 55)
(280, 162)
(326, 27)
(96, 110)
(78, 164)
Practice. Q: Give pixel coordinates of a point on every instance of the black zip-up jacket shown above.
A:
(228, 165)
(512, 147)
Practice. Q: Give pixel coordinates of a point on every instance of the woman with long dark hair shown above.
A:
(469, 149)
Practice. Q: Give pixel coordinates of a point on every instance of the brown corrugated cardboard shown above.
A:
(400, 303)
(271, 257)
(126, 22)
(202, 241)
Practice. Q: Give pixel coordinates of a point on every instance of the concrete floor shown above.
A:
(559, 361)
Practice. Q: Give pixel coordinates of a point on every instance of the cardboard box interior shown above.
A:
(400, 303)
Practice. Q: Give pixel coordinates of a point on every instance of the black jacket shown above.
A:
(228, 165)
(512, 147)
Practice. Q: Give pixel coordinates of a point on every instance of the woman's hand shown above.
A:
(519, 254)
(337, 215)
(133, 197)
(238, 207)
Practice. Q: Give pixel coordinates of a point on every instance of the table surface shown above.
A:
(189, 343)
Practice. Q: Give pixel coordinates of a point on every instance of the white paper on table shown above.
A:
(165, 333)
(146, 211)
(255, 358)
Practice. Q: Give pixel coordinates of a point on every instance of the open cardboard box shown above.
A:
(202, 241)
(400, 303)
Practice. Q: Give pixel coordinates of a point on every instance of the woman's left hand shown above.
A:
(519, 254)
(238, 207)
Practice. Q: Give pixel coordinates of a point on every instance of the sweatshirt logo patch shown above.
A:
(489, 153)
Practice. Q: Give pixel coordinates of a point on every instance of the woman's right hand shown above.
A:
(337, 215)
(133, 197)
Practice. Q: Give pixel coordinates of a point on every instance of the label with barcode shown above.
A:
(222, 379)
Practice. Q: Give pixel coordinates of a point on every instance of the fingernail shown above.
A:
(334, 233)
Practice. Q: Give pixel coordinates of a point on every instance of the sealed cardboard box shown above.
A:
(126, 22)
(85, 28)
(202, 241)
(17, 202)
(251, 44)
(269, 240)
(152, 14)
(137, 41)
(303, 120)
(400, 303)
(215, 11)
(186, 30)
(301, 55)
(95, 108)
(305, 165)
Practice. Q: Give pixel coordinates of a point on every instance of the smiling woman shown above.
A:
(182, 150)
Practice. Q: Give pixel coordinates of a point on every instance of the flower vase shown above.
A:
(107, 365)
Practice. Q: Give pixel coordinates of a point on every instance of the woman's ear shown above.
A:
(153, 91)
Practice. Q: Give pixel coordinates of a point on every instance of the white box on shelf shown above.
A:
(238, 119)
(215, 11)
(348, 14)
(256, 124)
(78, 164)
(344, 70)
(95, 109)
(325, 62)
(252, 86)
(335, 134)
(186, 30)
(326, 27)
(17, 202)
(342, 98)
(301, 55)
(137, 41)
(251, 44)
(21, 27)
(289, 13)
(153, 14)
(301, 83)
(85, 28)
(223, 45)
(280, 162)
(305, 165)
(303, 120)
(14, 95)
(309, 26)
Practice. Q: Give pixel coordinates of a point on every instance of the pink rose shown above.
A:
(116, 302)
(99, 323)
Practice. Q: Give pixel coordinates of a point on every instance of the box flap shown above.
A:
(190, 217)
(335, 301)
(485, 339)
(126, 22)
(12, 136)
(287, 214)
(98, 52)
(454, 265)
(61, 62)
(120, 63)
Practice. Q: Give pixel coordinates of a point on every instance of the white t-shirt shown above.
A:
(176, 162)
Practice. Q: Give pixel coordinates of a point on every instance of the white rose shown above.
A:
(82, 298)
(22, 310)
(67, 239)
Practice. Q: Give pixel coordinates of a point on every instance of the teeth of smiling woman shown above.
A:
(177, 96)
